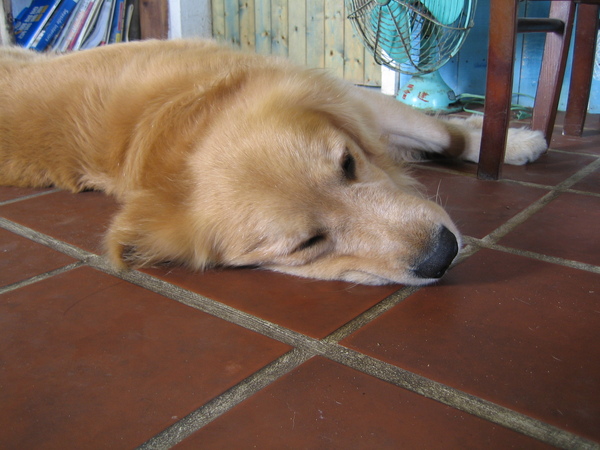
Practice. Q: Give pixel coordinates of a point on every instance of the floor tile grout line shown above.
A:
(391, 301)
(551, 188)
(476, 406)
(395, 375)
(199, 418)
(580, 174)
(39, 277)
(166, 289)
(46, 240)
(298, 341)
(302, 342)
(528, 184)
(386, 304)
(27, 197)
(227, 400)
(451, 171)
(541, 257)
(536, 206)
(221, 310)
(370, 314)
(501, 180)
(458, 400)
(573, 152)
(576, 191)
(533, 427)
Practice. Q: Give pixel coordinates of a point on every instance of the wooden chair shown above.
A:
(504, 26)
(581, 74)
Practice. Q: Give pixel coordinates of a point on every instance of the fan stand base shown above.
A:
(429, 93)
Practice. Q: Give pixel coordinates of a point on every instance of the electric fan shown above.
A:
(415, 37)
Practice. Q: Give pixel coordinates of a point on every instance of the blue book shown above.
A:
(118, 21)
(19, 25)
(18, 21)
(32, 23)
(54, 25)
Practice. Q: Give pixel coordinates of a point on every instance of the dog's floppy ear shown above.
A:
(344, 108)
(348, 112)
(359, 126)
(140, 235)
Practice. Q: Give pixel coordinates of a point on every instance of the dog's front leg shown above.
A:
(411, 130)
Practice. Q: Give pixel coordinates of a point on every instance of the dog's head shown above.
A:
(297, 181)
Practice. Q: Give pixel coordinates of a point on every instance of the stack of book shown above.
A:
(67, 25)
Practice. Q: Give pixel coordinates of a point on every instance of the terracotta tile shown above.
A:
(322, 404)
(315, 308)
(550, 169)
(592, 121)
(12, 193)
(462, 167)
(591, 183)
(93, 361)
(587, 143)
(477, 207)
(22, 258)
(79, 219)
(518, 332)
(567, 227)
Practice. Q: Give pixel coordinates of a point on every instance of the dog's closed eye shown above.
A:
(349, 166)
(311, 242)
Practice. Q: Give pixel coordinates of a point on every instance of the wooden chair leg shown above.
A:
(499, 81)
(552, 72)
(582, 70)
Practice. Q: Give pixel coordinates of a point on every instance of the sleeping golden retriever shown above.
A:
(225, 158)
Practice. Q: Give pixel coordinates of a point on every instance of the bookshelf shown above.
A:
(153, 19)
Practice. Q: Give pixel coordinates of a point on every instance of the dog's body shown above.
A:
(225, 158)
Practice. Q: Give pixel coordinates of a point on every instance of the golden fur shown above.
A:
(224, 158)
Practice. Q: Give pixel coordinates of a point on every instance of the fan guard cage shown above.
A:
(405, 36)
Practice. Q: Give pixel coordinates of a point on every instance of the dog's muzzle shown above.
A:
(442, 250)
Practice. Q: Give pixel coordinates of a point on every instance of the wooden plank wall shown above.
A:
(316, 33)
(313, 33)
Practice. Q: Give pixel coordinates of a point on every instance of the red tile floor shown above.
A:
(503, 353)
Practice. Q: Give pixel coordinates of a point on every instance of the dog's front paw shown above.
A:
(524, 146)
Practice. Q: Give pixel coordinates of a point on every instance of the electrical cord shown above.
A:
(521, 112)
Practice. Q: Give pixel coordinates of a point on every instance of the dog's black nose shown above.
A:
(443, 249)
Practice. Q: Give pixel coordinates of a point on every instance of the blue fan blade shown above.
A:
(445, 11)
(390, 24)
